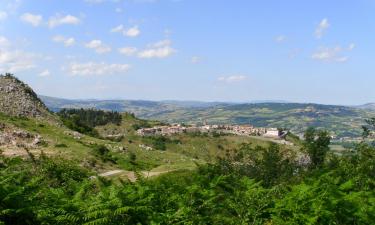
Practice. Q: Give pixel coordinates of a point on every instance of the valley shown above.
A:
(344, 122)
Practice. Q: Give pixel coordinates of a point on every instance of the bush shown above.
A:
(103, 153)
(61, 145)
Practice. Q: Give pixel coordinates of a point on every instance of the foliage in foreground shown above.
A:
(255, 186)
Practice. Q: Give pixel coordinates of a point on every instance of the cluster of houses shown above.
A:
(245, 130)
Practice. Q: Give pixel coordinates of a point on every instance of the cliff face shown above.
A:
(18, 99)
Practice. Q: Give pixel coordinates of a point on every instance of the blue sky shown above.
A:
(208, 50)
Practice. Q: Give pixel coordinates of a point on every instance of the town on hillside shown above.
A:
(243, 130)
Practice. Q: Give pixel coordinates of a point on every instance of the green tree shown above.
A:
(369, 128)
(317, 145)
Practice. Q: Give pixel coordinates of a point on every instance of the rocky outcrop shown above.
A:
(18, 99)
(15, 137)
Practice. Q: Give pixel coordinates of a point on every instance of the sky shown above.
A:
(207, 50)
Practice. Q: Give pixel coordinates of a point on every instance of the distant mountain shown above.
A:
(369, 106)
(196, 104)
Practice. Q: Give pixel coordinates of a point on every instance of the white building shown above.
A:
(272, 132)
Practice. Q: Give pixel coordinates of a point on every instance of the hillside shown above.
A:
(342, 121)
(102, 144)
(118, 147)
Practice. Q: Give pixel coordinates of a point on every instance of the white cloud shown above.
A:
(322, 27)
(98, 46)
(91, 69)
(351, 46)
(145, 1)
(195, 60)
(330, 54)
(342, 59)
(3, 15)
(156, 53)
(66, 41)
(34, 20)
(132, 32)
(63, 20)
(119, 10)
(161, 49)
(129, 51)
(4, 42)
(69, 42)
(119, 28)
(94, 44)
(44, 73)
(13, 6)
(231, 79)
(94, 1)
(160, 44)
(280, 38)
(16, 61)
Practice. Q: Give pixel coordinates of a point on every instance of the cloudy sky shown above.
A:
(212, 50)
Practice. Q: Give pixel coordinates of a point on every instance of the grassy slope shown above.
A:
(182, 151)
(54, 135)
(182, 154)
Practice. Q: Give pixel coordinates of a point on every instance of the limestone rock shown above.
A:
(18, 99)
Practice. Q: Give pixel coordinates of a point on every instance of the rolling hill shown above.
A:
(342, 121)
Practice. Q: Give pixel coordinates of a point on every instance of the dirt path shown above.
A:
(111, 173)
(131, 174)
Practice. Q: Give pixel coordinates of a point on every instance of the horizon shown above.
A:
(235, 52)
(198, 101)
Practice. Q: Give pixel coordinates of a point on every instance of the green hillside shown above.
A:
(179, 151)
(251, 182)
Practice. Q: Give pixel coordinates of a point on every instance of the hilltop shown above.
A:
(18, 99)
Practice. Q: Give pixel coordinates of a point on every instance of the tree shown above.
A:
(317, 145)
(369, 128)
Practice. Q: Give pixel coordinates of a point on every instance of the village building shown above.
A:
(272, 132)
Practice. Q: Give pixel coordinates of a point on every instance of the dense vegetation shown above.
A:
(85, 120)
(252, 185)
